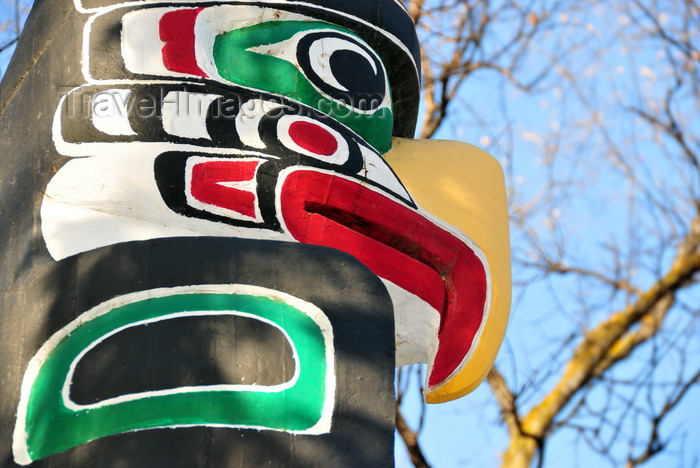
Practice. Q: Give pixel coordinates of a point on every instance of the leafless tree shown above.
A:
(605, 215)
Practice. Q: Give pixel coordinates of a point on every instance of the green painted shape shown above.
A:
(53, 428)
(237, 64)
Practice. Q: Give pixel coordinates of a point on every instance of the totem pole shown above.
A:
(218, 239)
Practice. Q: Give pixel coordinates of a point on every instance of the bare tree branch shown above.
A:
(410, 439)
(8, 44)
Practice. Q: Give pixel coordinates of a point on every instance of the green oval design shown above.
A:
(52, 427)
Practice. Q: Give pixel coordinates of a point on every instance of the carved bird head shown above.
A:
(290, 121)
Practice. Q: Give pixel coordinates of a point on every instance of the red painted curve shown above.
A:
(399, 244)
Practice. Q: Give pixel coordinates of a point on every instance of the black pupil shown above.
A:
(355, 73)
(361, 75)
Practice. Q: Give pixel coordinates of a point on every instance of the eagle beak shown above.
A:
(464, 187)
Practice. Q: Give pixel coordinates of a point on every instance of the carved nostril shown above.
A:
(313, 138)
(308, 136)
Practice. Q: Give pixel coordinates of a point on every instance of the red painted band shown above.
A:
(398, 244)
(177, 31)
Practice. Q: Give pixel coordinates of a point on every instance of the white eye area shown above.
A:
(320, 53)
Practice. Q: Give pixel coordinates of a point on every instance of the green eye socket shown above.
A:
(319, 64)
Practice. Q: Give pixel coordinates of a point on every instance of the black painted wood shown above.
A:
(353, 298)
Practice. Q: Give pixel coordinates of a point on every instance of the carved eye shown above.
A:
(344, 69)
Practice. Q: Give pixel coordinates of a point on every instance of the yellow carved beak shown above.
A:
(464, 187)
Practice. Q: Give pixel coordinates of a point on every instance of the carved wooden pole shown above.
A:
(218, 239)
